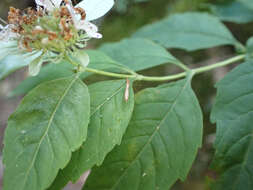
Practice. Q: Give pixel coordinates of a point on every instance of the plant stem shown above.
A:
(220, 64)
(171, 77)
(109, 74)
(196, 71)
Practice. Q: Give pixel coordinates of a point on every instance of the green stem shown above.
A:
(196, 71)
(171, 77)
(109, 74)
(220, 64)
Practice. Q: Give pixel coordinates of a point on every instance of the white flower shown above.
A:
(94, 9)
(88, 27)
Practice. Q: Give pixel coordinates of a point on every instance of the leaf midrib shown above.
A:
(48, 126)
(95, 110)
(154, 133)
(107, 99)
(99, 109)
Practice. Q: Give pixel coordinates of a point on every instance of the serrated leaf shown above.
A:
(235, 92)
(138, 54)
(233, 12)
(159, 145)
(49, 124)
(110, 115)
(189, 31)
(234, 143)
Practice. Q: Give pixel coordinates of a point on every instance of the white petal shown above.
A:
(40, 2)
(89, 28)
(95, 35)
(95, 8)
(57, 3)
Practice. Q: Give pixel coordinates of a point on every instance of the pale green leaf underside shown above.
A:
(14, 62)
(49, 124)
(12, 59)
(159, 145)
(233, 113)
(138, 54)
(189, 31)
(110, 115)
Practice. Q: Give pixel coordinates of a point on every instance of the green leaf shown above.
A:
(159, 145)
(189, 31)
(233, 113)
(101, 61)
(233, 12)
(10, 64)
(7, 48)
(249, 49)
(98, 60)
(110, 115)
(11, 58)
(47, 73)
(49, 124)
(138, 54)
(247, 3)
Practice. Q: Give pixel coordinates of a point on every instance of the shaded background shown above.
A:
(126, 17)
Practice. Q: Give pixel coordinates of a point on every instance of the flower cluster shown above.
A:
(56, 27)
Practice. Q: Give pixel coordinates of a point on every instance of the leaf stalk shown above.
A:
(199, 70)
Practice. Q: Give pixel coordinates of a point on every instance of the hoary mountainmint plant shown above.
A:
(129, 141)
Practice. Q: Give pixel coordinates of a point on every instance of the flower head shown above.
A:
(56, 28)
